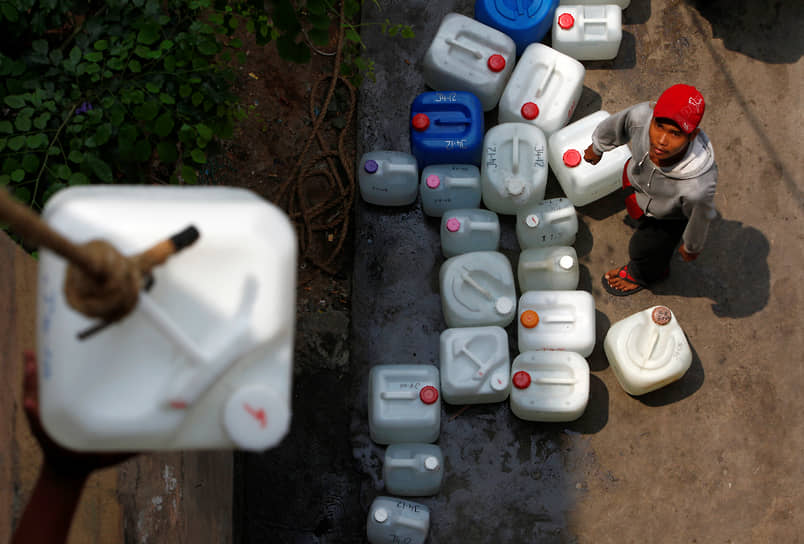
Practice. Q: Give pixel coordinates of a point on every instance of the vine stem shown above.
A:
(47, 153)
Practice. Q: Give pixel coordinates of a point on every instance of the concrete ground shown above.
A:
(714, 457)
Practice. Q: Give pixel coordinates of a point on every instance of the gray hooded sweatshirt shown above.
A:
(685, 189)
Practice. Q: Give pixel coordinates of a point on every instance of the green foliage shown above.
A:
(110, 91)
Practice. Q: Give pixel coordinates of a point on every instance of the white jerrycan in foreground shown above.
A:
(563, 320)
(467, 230)
(388, 178)
(474, 365)
(583, 182)
(647, 350)
(588, 32)
(413, 469)
(449, 186)
(549, 386)
(548, 268)
(205, 359)
(391, 521)
(551, 222)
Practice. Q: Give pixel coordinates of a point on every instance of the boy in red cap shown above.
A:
(669, 183)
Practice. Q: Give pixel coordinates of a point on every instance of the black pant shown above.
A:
(652, 247)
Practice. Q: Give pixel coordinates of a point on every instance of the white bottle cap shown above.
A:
(256, 418)
(381, 515)
(499, 381)
(515, 186)
(431, 463)
(504, 305)
(532, 220)
(566, 262)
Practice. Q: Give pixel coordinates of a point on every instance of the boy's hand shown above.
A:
(590, 156)
(686, 255)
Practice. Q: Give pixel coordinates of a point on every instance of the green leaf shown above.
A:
(14, 101)
(204, 132)
(76, 156)
(135, 66)
(164, 125)
(103, 133)
(22, 123)
(22, 194)
(41, 121)
(101, 45)
(148, 34)
(116, 115)
(352, 36)
(189, 174)
(56, 57)
(166, 98)
(185, 90)
(197, 98)
(208, 47)
(167, 151)
(115, 63)
(6, 128)
(77, 178)
(126, 136)
(18, 175)
(30, 163)
(154, 86)
(75, 55)
(40, 47)
(147, 111)
(170, 63)
(142, 150)
(166, 44)
(186, 134)
(94, 56)
(100, 168)
(16, 143)
(63, 171)
(198, 156)
(9, 12)
(36, 141)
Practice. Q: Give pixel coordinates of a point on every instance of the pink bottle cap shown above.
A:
(572, 157)
(566, 20)
(521, 379)
(433, 181)
(420, 122)
(428, 394)
(453, 225)
(530, 110)
(496, 63)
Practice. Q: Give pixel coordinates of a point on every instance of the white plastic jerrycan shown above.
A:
(448, 187)
(557, 320)
(474, 365)
(549, 386)
(588, 32)
(647, 350)
(473, 229)
(477, 289)
(404, 403)
(388, 178)
(548, 269)
(467, 55)
(622, 4)
(583, 182)
(392, 520)
(552, 222)
(204, 361)
(413, 470)
(543, 90)
(514, 170)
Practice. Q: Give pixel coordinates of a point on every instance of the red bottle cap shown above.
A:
(530, 110)
(428, 394)
(566, 20)
(572, 157)
(496, 63)
(420, 122)
(521, 379)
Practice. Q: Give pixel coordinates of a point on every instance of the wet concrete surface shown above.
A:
(713, 457)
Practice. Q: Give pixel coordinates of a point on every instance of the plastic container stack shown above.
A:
(468, 176)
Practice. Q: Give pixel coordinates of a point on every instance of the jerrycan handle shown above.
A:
(651, 343)
(459, 182)
(392, 167)
(554, 381)
(538, 265)
(515, 153)
(399, 395)
(474, 52)
(402, 463)
(549, 73)
(482, 225)
(563, 215)
(560, 318)
(413, 523)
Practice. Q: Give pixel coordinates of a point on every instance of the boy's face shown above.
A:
(667, 141)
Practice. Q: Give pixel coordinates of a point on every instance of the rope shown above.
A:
(292, 195)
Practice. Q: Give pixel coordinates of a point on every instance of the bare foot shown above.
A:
(619, 283)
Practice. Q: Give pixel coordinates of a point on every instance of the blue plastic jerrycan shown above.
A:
(525, 21)
(446, 128)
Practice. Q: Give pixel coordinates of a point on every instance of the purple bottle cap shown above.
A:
(371, 166)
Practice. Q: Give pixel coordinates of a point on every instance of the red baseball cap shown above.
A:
(683, 104)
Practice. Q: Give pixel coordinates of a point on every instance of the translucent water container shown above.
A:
(472, 229)
(647, 350)
(549, 386)
(581, 181)
(474, 365)
(552, 222)
(413, 470)
(526, 21)
(467, 55)
(588, 32)
(543, 90)
(477, 289)
(204, 361)
(448, 187)
(514, 171)
(557, 320)
(404, 403)
(622, 4)
(446, 128)
(548, 269)
(388, 178)
(392, 520)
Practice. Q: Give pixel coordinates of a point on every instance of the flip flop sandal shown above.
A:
(623, 273)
